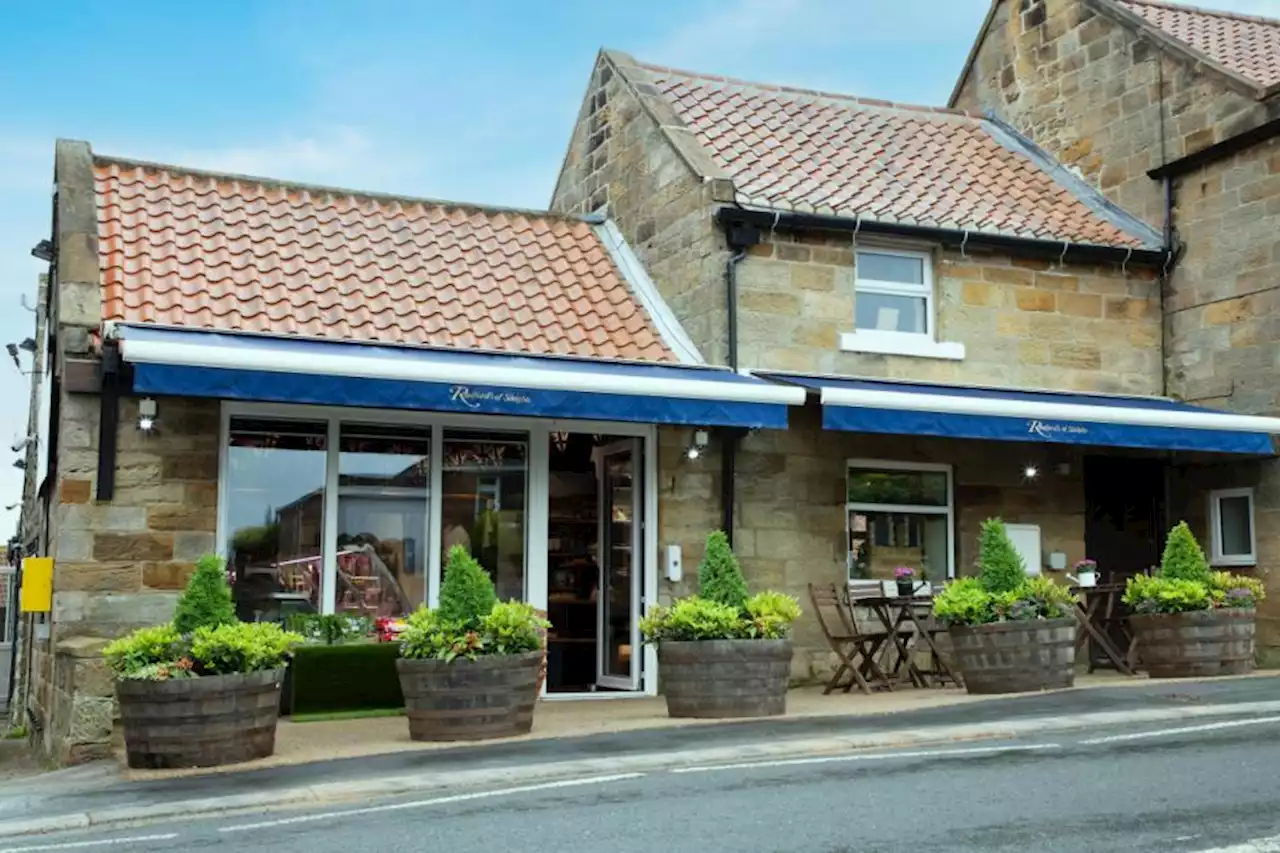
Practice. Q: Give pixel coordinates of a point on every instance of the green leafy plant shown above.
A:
(467, 595)
(1160, 594)
(719, 574)
(1002, 566)
(1183, 558)
(330, 629)
(16, 732)
(242, 647)
(694, 618)
(964, 602)
(1237, 591)
(171, 671)
(513, 628)
(206, 602)
(1047, 599)
(770, 615)
(146, 647)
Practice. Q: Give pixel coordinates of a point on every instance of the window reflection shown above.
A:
(484, 477)
(384, 475)
(275, 513)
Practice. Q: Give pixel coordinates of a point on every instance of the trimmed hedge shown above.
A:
(348, 677)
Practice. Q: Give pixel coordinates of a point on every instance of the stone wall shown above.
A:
(1024, 323)
(1088, 89)
(628, 157)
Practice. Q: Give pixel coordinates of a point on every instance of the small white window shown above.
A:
(893, 306)
(1232, 539)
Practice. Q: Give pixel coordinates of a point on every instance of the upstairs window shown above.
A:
(894, 293)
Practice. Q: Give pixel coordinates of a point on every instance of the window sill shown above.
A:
(901, 343)
(1244, 561)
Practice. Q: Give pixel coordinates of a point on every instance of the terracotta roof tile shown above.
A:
(1244, 44)
(794, 149)
(222, 252)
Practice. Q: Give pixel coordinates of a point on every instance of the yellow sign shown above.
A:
(37, 585)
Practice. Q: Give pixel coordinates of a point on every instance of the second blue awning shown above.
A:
(235, 366)
(868, 405)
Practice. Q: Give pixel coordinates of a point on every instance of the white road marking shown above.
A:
(828, 759)
(438, 801)
(1257, 845)
(80, 845)
(1207, 727)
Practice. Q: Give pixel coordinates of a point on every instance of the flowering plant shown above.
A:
(904, 573)
(1086, 566)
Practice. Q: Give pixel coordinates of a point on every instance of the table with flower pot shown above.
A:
(1097, 612)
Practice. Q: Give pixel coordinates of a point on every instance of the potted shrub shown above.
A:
(1009, 633)
(205, 689)
(343, 665)
(906, 579)
(723, 653)
(1190, 621)
(469, 669)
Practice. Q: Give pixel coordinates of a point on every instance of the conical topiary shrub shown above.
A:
(1183, 558)
(467, 595)
(719, 575)
(206, 602)
(1002, 566)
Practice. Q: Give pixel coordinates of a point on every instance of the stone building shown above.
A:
(1173, 113)
(900, 262)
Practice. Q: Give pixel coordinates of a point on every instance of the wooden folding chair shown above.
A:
(856, 649)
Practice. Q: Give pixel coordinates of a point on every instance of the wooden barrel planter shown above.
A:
(1016, 657)
(200, 722)
(1195, 644)
(470, 699)
(725, 678)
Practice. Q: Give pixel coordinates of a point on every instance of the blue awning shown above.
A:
(234, 366)
(901, 408)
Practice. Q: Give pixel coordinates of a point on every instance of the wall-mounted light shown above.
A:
(20, 464)
(28, 345)
(147, 414)
(1031, 472)
(43, 251)
(701, 438)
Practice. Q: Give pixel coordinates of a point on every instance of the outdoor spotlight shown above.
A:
(43, 250)
(28, 345)
(20, 464)
(12, 349)
(146, 414)
(1031, 472)
(700, 441)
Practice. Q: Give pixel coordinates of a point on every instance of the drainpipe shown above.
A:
(739, 238)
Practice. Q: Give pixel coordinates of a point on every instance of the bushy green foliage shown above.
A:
(330, 629)
(206, 602)
(1002, 566)
(770, 615)
(719, 575)
(964, 602)
(510, 628)
(467, 595)
(968, 602)
(694, 618)
(145, 647)
(171, 671)
(1161, 594)
(1241, 591)
(242, 647)
(1183, 559)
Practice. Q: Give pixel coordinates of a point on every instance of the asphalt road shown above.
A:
(1192, 788)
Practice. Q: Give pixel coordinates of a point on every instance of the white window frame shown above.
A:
(1217, 557)
(884, 342)
(896, 465)
(537, 485)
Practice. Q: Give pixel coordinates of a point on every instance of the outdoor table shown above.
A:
(897, 612)
(1096, 614)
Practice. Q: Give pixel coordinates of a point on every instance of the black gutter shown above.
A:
(739, 239)
(108, 420)
(1218, 151)
(951, 238)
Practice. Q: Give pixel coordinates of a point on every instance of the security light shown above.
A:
(147, 414)
(700, 441)
(1031, 472)
(43, 250)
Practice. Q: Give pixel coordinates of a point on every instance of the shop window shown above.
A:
(384, 475)
(898, 514)
(484, 481)
(1232, 536)
(274, 499)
